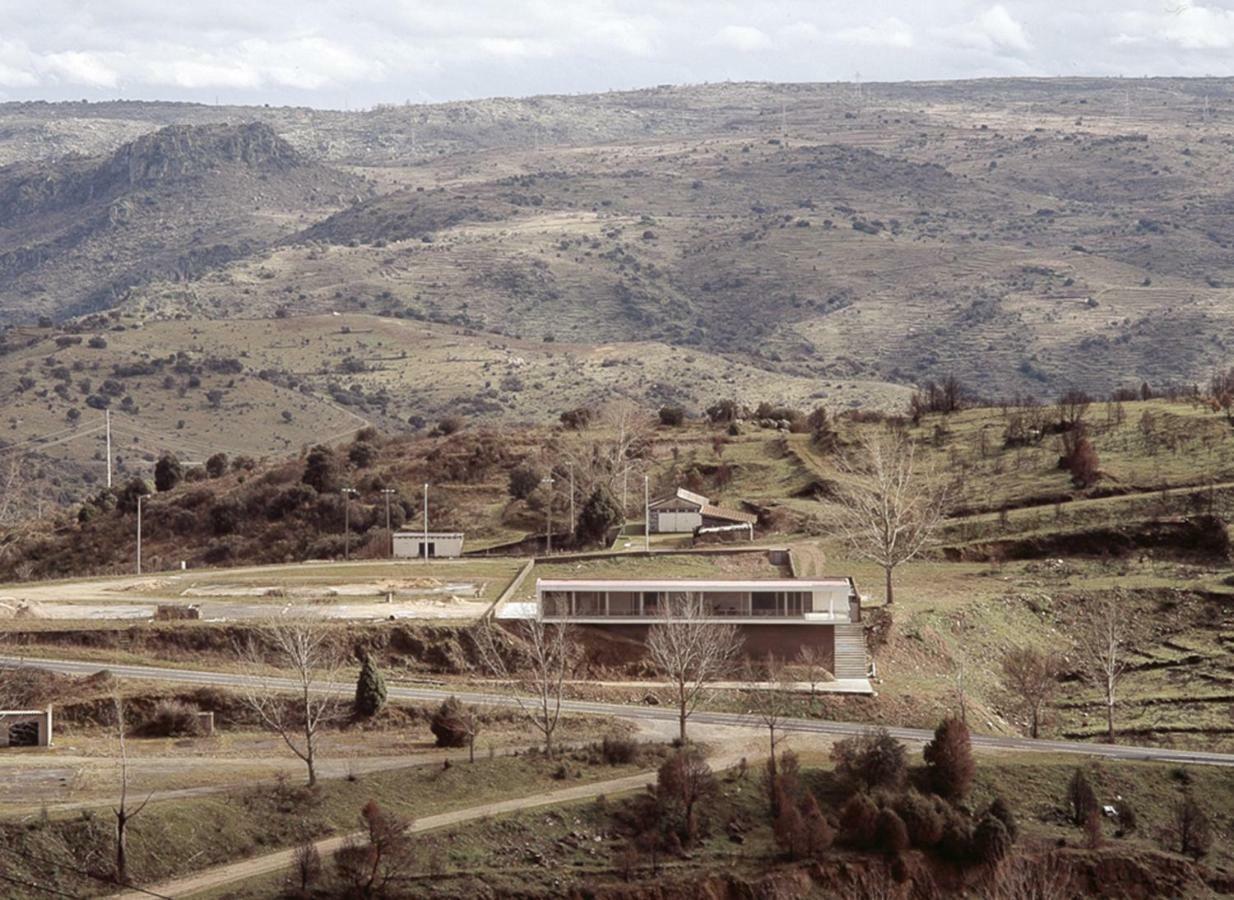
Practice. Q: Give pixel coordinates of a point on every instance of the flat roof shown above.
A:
(432, 534)
(698, 584)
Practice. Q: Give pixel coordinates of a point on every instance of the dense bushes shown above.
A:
(171, 718)
(873, 760)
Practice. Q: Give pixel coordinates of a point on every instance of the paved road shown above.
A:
(643, 713)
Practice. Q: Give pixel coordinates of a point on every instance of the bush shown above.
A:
(923, 818)
(577, 419)
(890, 833)
(523, 482)
(167, 472)
(857, 821)
(320, 470)
(618, 751)
(1080, 797)
(991, 841)
(598, 515)
(449, 724)
(370, 689)
(1191, 828)
(949, 760)
(225, 517)
(870, 761)
(216, 465)
(171, 718)
(362, 454)
(672, 416)
(1000, 810)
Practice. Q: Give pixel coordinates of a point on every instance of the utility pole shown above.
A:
(646, 515)
(571, 465)
(424, 546)
(387, 492)
(139, 499)
(548, 482)
(347, 492)
(107, 413)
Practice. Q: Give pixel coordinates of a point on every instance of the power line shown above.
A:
(56, 892)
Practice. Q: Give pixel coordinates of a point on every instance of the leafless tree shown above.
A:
(1072, 408)
(812, 662)
(299, 706)
(889, 504)
(691, 650)
(544, 655)
(123, 812)
(1030, 679)
(1100, 636)
(768, 697)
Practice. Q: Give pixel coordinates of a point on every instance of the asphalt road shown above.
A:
(629, 711)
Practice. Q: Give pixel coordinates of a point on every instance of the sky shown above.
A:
(359, 53)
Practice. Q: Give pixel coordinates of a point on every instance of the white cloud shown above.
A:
(78, 68)
(890, 32)
(742, 38)
(1186, 26)
(993, 31)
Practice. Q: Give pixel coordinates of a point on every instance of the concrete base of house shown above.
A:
(838, 686)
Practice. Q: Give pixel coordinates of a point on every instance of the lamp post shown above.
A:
(388, 492)
(347, 492)
(139, 499)
(424, 545)
(571, 466)
(646, 515)
(548, 482)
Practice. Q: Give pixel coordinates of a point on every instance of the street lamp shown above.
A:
(347, 494)
(571, 466)
(424, 545)
(548, 482)
(388, 492)
(140, 497)
(646, 515)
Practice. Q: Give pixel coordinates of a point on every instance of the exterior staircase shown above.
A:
(850, 651)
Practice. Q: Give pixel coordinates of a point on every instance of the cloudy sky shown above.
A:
(360, 52)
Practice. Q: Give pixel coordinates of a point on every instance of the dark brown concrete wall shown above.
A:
(781, 640)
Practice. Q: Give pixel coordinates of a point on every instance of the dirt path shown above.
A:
(282, 859)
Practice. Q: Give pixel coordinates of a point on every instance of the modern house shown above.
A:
(430, 545)
(773, 616)
(686, 511)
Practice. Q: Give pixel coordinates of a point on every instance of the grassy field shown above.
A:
(176, 837)
(577, 846)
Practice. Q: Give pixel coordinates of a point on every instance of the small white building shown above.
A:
(25, 727)
(430, 545)
(686, 511)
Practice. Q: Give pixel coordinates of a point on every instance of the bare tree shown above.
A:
(1099, 632)
(298, 707)
(691, 650)
(1023, 877)
(889, 504)
(370, 865)
(812, 661)
(1030, 679)
(123, 812)
(768, 697)
(545, 653)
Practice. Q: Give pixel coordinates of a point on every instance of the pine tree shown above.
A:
(370, 689)
(949, 759)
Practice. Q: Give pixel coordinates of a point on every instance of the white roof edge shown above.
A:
(715, 584)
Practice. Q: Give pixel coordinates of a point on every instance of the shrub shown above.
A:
(598, 515)
(857, 821)
(370, 689)
(672, 416)
(616, 750)
(167, 472)
(321, 470)
(991, 841)
(1080, 797)
(225, 517)
(171, 718)
(1128, 822)
(523, 482)
(870, 761)
(1000, 810)
(362, 454)
(577, 419)
(949, 759)
(819, 833)
(449, 724)
(216, 465)
(923, 819)
(683, 782)
(890, 834)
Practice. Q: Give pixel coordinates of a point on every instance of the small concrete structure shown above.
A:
(685, 512)
(25, 727)
(433, 545)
